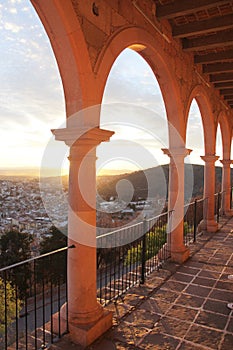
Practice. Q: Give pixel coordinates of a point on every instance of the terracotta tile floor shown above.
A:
(179, 307)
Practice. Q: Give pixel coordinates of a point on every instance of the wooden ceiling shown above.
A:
(205, 28)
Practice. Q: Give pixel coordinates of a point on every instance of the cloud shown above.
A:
(12, 27)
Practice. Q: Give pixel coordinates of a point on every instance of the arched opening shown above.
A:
(31, 89)
(207, 173)
(195, 142)
(218, 164)
(133, 107)
(219, 145)
(195, 134)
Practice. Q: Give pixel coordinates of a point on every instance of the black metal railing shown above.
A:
(194, 213)
(127, 255)
(218, 198)
(31, 293)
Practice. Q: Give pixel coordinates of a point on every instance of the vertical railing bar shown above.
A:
(43, 302)
(114, 272)
(16, 319)
(35, 303)
(126, 271)
(231, 188)
(143, 262)
(218, 206)
(195, 222)
(26, 321)
(99, 278)
(59, 306)
(119, 268)
(66, 283)
(51, 307)
(106, 282)
(5, 294)
(130, 267)
(123, 268)
(156, 245)
(110, 281)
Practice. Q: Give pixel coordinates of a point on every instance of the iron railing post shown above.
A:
(218, 206)
(231, 197)
(195, 221)
(143, 255)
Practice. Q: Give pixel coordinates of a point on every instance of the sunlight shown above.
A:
(133, 107)
(195, 135)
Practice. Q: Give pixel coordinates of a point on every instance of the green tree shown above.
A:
(15, 248)
(154, 242)
(12, 305)
(53, 267)
(55, 240)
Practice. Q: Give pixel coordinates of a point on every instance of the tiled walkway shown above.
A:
(179, 307)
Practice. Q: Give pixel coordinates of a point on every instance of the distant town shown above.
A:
(28, 206)
(33, 206)
(22, 208)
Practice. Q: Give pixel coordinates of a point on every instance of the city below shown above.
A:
(33, 206)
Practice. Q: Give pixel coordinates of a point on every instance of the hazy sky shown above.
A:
(32, 102)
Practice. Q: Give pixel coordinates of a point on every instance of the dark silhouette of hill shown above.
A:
(157, 178)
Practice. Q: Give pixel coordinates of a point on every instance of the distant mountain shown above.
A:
(153, 182)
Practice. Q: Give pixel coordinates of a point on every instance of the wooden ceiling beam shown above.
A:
(221, 77)
(226, 92)
(203, 27)
(220, 39)
(228, 97)
(222, 56)
(218, 67)
(184, 7)
(225, 85)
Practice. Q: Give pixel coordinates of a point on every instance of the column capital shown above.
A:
(226, 162)
(210, 158)
(175, 153)
(86, 135)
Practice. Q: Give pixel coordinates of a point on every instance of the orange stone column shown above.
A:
(209, 222)
(226, 187)
(179, 252)
(87, 318)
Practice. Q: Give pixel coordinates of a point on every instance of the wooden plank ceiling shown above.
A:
(205, 28)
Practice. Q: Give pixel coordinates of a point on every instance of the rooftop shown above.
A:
(180, 307)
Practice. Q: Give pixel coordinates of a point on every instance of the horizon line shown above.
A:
(36, 172)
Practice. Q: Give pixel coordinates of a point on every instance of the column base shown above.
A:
(87, 334)
(180, 256)
(82, 334)
(211, 226)
(228, 213)
(208, 225)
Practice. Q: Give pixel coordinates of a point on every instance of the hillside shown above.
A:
(157, 178)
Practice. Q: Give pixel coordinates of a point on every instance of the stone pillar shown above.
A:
(226, 187)
(209, 222)
(87, 318)
(179, 252)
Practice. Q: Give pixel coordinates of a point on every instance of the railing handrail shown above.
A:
(158, 216)
(35, 258)
(119, 230)
(134, 225)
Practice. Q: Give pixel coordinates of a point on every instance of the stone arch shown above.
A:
(200, 94)
(70, 50)
(135, 37)
(222, 120)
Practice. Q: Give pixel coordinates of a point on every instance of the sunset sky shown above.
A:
(32, 101)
